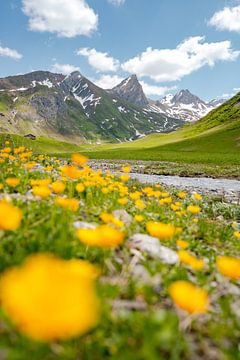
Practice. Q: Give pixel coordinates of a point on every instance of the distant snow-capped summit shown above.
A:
(184, 105)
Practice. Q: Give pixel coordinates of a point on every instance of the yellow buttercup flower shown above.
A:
(188, 259)
(71, 171)
(124, 177)
(126, 169)
(160, 230)
(189, 297)
(182, 244)
(80, 188)
(49, 299)
(197, 196)
(79, 159)
(237, 234)
(139, 218)
(229, 266)
(140, 204)
(58, 187)
(70, 204)
(102, 236)
(10, 216)
(12, 182)
(182, 195)
(123, 201)
(41, 191)
(194, 209)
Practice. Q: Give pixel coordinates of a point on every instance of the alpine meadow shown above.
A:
(119, 180)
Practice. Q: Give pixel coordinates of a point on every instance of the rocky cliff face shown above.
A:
(130, 90)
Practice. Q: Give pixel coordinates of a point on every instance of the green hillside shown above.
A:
(214, 139)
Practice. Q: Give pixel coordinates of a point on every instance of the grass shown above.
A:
(213, 147)
(41, 144)
(139, 320)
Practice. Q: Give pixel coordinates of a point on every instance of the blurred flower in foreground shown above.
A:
(48, 298)
(189, 297)
(79, 159)
(10, 216)
(103, 236)
(229, 266)
(160, 230)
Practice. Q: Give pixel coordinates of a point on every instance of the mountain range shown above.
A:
(72, 108)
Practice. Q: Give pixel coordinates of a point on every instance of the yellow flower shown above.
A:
(123, 201)
(197, 196)
(49, 299)
(188, 259)
(166, 200)
(135, 196)
(229, 266)
(106, 217)
(182, 244)
(126, 169)
(70, 204)
(160, 230)
(30, 165)
(10, 216)
(140, 204)
(181, 194)
(12, 182)
(58, 187)
(41, 191)
(80, 188)
(102, 236)
(1, 186)
(79, 159)
(139, 218)
(194, 209)
(237, 234)
(124, 177)
(71, 171)
(189, 297)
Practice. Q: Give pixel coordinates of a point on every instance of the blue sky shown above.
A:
(169, 44)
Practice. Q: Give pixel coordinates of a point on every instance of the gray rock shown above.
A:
(84, 225)
(153, 248)
(123, 216)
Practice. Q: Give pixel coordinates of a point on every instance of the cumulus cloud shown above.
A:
(108, 81)
(98, 60)
(64, 17)
(227, 19)
(116, 2)
(173, 64)
(153, 90)
(65, 69)
(11, 53)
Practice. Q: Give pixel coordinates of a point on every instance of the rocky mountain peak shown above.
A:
(130, 90)
(186, 97)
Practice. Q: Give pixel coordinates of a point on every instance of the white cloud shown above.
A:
(153, 90)
(66, 18)
(65, 69)
(108, 81)
(173, 64)
(116, 2)
(98, 60)
(14, 54)
(227, 19)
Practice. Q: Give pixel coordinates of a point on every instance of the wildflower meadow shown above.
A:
(94, 265)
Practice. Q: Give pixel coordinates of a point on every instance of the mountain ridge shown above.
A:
(72, 108)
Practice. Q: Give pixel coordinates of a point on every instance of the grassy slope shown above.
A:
(214, 139)
(41, 145)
